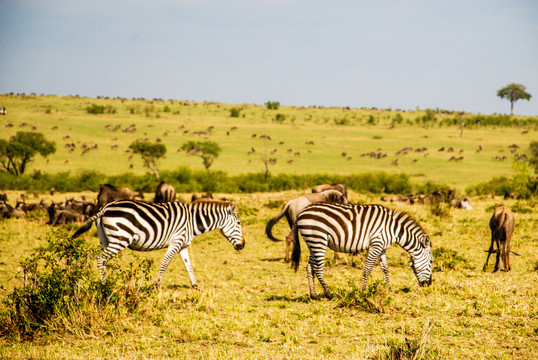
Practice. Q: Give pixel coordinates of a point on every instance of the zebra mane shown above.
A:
(220, 203)
(401, 212)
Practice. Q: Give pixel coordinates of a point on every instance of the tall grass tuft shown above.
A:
(409, 349)
(374, 299)
(61, 291)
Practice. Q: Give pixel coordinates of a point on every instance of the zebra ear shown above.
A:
(427, 242)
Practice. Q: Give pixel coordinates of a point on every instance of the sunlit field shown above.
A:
(304, 140)
(251, 304)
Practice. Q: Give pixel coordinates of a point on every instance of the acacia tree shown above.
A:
(207, 150)
(513, 92)
(150, 153)
(16, 153)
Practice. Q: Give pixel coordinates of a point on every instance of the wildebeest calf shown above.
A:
(502, 225)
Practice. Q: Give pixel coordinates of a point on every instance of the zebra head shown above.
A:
(421, 260)
(231, 227)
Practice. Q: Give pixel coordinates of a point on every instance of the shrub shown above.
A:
(272, 105)
(235, 112)
(280, 118)
(60, 288)
(96, 109)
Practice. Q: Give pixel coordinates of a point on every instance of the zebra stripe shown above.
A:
(143, 226)
(354, 228)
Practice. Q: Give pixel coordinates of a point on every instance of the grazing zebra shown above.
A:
(353, 228)
(144, 226)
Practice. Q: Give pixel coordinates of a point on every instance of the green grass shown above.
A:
(252, 305)
(183, 121)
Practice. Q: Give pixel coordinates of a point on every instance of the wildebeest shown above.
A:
(340, 187)
(206, 195)
(502, 225)
(59, 216)
(462, 204)
(7, 211)
(164, 193)
(40, 206)
(108, 193)
(294, 206)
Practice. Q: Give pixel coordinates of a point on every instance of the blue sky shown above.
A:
(401, 54)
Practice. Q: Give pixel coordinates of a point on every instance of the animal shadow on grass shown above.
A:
(303, 298)
(178, 287)
(278, 259)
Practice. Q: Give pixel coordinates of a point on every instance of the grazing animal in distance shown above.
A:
(7, 211)
(354, 228)
(461, 204)
(164, 193)
(294, 206)
(206, 195)
(502, 224)
(340, 187)
(108, 193)
(144, 226)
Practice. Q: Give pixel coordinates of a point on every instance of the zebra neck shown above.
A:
(203, 223)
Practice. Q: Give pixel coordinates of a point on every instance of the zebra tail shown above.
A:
(273, 221)
(88, 224)
(296, 255)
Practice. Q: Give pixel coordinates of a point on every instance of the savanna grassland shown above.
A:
(302, 140)
(251, 304)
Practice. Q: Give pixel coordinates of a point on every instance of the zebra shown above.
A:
(353, 228)
(144, 226)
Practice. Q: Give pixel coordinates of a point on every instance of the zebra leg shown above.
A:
(105, 255)
(168, 256)
(184, 253)
(316, 264)
(374, 251)
(385, 267)
(311, 285)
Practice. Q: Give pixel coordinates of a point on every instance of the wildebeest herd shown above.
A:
(324, 218)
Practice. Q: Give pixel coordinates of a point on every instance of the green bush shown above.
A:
(272, 105)
(235, 112)
(61, 287)
(95, 109)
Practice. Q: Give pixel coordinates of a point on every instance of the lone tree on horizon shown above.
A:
(513, 92)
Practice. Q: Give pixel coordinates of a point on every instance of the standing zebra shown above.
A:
(143, 226)
(353, 228)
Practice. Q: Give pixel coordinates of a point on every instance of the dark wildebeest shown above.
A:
(40, 206)
(294, 206)
(108, 193)
(7, 211)
(164, 193)
(62, 217)
(201, 196)
(323, 187)
(502, 225)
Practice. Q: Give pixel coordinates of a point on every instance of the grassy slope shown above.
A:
(252, 305)
(69, 115)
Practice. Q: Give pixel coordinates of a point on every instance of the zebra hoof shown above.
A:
(329, 296)
(314, 297)
(196, 287)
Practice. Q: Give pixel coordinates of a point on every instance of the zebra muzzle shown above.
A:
(241, 245)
